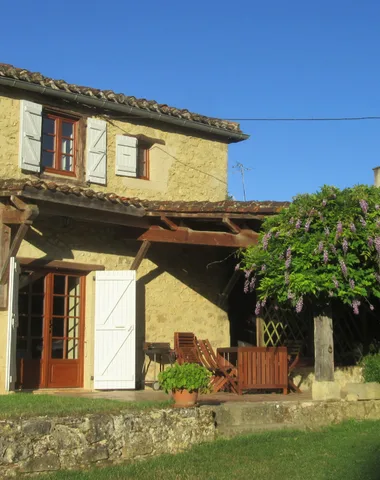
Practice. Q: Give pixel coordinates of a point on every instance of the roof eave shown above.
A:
(228, 135)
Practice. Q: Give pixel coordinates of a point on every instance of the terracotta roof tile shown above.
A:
(10, 71)
(151, 207)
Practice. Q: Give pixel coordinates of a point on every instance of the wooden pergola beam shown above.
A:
(188, 236)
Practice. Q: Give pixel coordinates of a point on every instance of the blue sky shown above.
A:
(231, 60)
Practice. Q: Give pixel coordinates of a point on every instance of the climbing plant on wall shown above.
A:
(324, 245)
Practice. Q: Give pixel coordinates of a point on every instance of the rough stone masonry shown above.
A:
(45, 444)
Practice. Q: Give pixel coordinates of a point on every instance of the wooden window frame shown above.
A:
(146, 149)
(78, 174)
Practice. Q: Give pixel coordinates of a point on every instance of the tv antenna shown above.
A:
(242, 169)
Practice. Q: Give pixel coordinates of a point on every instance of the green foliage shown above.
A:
(324, 245)
(371, 368)
(189, 376)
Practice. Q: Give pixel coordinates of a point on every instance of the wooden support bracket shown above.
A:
(173, 226)
(231, 225)
(143, 250)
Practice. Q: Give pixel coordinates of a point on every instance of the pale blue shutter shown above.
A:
(126, 156)
(96, 167)
(30, 136)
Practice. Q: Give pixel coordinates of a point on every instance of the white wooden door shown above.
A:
(115, 330)
(10, 367)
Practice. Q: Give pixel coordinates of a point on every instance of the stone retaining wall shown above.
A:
(45, 444)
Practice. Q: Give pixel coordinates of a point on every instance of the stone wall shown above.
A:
(186, 167)
(304, 377)
(47, 444)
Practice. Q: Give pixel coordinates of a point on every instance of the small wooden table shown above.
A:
(259, 368)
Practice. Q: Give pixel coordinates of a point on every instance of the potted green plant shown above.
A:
(185, 382)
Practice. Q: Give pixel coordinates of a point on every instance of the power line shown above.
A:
(323, 119)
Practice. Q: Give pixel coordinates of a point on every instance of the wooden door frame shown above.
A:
(48, 305)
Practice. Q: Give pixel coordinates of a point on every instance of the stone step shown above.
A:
(228, 431)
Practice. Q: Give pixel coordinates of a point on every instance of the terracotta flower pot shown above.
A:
(184, 398)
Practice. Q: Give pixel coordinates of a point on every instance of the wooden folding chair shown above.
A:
(185, 348)
(222, 375)
(295, 348)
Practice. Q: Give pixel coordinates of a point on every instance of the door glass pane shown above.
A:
(72, 349)
(36, 326)
(73, 286)
(21, 348)
(37, 305)
(22, 330)
(38, 285)
(23, 302)
(59, 284)
(73, 306)
(58, 325)
(57, 349)
(58, 305)
(72, 327)
(36, 348)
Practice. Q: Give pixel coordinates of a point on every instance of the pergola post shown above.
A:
(323, 345)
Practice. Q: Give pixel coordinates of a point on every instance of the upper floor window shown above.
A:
(143, 161)
(58, 144)
(132, 157)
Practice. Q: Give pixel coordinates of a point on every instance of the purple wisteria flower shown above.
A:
(377, 244)
(281, 256)
(291, 221)
(307, 225)
(263, 302)
(333, 249)
(339, 227)
(331, 294)
(247, 273)
(325, 256)
(258, 308)
(266, 238)
(363, 222)
(355, 306)
(287, 279)
(290, 295)
(352, 227)
(299, 305)
(343, 267)
(364, 206)
(288, 258)
(298, 224)
(377, 207)
(288, 252)
(336, 283)
(277, 234)
(327, 231)
(370, 242)
(252, 283)
(324, 202)
(237, 266)
(352, 283)
(371, 307)
(320, 247)
(246, 286)
(276, 307)
(263, 267)
(345, 246)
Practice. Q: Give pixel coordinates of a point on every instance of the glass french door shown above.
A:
(50, 332)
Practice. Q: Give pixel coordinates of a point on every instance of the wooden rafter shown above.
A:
(185, 235)
(169, 223)
(231, 225)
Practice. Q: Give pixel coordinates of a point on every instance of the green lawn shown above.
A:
(350, 451)
(27, 405)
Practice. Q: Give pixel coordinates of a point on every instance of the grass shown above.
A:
(349, 451)
(28, 405)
